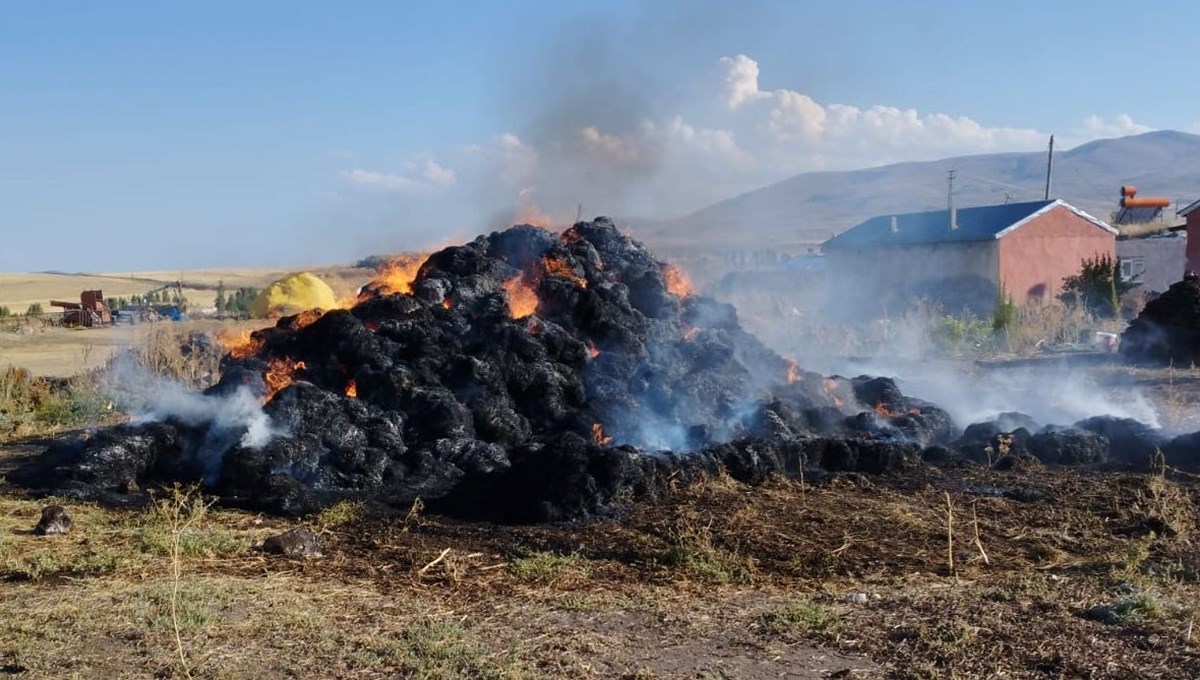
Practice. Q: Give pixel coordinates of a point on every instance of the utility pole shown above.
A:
(1049, 166)
(950, 199)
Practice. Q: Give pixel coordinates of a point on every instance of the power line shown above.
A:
(997, 183)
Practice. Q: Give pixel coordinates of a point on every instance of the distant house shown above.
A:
(1151, 263)
(960, 258)
(1192, 214)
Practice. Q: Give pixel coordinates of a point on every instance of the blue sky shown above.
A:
(148, 135)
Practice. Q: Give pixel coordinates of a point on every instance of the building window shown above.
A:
(1133, 269)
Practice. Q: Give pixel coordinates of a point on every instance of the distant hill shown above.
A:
(806, 209)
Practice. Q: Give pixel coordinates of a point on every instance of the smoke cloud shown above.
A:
(233, 419)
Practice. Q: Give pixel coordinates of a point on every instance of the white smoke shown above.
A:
(1050, 395)
(234, 419)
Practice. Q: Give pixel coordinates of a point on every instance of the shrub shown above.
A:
(1004, 316)
(1097, 287)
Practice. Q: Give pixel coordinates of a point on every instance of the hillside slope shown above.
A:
(808, 208)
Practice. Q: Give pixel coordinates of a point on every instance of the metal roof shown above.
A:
(1190, 207)
(982, 223)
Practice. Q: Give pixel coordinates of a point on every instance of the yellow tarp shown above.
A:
(292, 294)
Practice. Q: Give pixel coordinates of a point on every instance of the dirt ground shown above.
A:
(956, 573)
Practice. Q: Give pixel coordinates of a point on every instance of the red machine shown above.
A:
(89, 312)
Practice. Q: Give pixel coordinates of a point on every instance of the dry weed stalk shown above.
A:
(978, 542)
(182, 510)
(950, 534)
(414, 515)
(803, 494)
(434, 563)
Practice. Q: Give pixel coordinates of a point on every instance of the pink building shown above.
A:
(1192, 213)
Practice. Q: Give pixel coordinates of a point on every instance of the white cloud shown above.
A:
(731, 138)
(438, 175)
(721, 143)
(1121, 125)
(841, 129)
(422, 177)
(741, 80)
(381, 180)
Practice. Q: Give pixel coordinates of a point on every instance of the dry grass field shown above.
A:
(19, 290)
(957, 572)
(48, 350)
(1063, 575)
(64, 352)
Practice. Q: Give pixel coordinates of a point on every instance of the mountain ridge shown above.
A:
(802, 211)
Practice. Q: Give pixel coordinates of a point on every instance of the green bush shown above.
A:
(1097, 287)
(1004, 316)
(962, 334)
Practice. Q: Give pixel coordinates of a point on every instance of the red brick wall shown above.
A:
(1193, 241)
(1036, 257)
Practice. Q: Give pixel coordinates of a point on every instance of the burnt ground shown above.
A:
(1087, 575)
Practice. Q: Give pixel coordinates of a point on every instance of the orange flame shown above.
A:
(598, 435)
(238, 344)
(556, 267)
(914, 411)
(793, 372)
(830, 384)
(522, 299)
(882, 409)
(305, 318)
(677, 281)
(571, 235)
(690, 333)
(279, 374)
(352, 389)
(528, 211)
(592, 351)
(838, 402)
(397, 275)
(447, 303)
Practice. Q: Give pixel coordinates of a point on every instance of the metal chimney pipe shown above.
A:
(953, 218)
(895, 225)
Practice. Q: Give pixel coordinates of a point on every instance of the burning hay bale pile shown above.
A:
(1168, 329)
(524, 376)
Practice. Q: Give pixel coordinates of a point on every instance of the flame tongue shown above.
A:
(556, 267)
(677, 281)
(793, 372)
(598, 435)
(238, 344)
(305, 318)
(279, 374)
(397, 276)
(522, 299)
